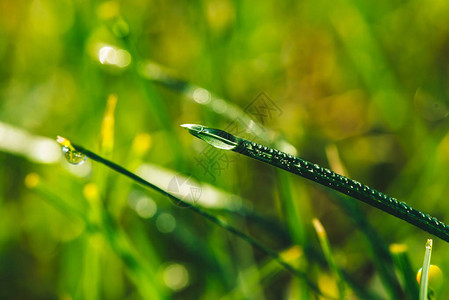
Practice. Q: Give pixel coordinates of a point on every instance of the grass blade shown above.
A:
(107, 127)
(210, 217)
(334, 181)
(403, 265)
(425, 271)
(139, 272)
(325, 246)
(382, 257)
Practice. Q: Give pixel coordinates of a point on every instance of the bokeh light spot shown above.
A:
(146, 207)
(31, 180)
(109, 55)
(165, 223)
(176, 276)
(201, 96)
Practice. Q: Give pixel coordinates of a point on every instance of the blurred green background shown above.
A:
(360, 87)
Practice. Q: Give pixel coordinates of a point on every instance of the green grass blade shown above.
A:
(404, 267)
(425, 271)
(325, 246)
(335, 181)
(136, 268)
(210, 217)
(382, 257)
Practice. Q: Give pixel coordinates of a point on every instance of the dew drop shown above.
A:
(73, 157)
(403, 205)
(219, 143)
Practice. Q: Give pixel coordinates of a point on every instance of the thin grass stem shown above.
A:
(325, 246)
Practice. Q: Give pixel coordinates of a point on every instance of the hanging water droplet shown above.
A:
(73, 157)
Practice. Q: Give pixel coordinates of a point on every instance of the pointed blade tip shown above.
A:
(186, 126)
(195, 127)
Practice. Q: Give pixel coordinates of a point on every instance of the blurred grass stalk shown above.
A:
(98, 192)
(138, 271)
(163, 76)
(267, 272)
(158, 109)
(382, 257)
(369, 61)
(325, 246)
(95, 192)
(404, 267)
(295, 220)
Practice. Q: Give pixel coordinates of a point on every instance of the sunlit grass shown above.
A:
(369, 79)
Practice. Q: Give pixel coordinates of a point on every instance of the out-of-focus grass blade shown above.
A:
(95, 192)
(267, 272)
(35, 148)
(289, 204)
(293, 217)
(381, 255)
(107, 127)
(214, 103)
(210, 197)
(324, 242)
(404, 267)
(139, 147)
(370, 62)
(157, 108)
(34, 182)
(137, 269)
(425, 271)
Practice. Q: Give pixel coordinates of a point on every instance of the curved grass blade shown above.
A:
(334, 181)
(404, 267)
(201, 212)
(325, 246)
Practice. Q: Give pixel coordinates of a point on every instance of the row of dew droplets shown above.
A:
(71, 155)
(335, 180)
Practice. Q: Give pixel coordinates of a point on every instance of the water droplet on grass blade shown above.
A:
(215, 137)
(72, 156)
(218, 142)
